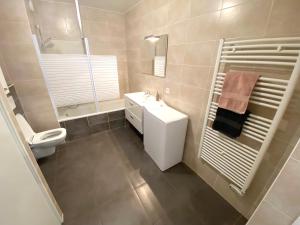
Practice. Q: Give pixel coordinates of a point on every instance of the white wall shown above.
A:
(22, 200)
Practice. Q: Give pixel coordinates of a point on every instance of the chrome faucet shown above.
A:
(147, 92)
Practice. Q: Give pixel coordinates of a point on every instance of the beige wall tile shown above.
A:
(15, 32)
(58, 20)
(195, 95)
(158, 3)
(207, 173)
(15, 53)
(147, 24)
(97, 30)
(179, 10)
(284, 18)
(199, 7)
(22, 66)
(245, 20)
(175, 90)
(116, 30)
(203, 28)
(133, 54)
(176, 54)
(199, 76)
(13, 11)
(6, 73)
(93, 14)
(44, 120)
(268, 215)
(35, 104)
(200, 54)
(33, 88)
(177, 33)
(195, 113)
(160, 16)
(23, 71)
(115, 18)
(288, 130)
(221, 185)
(174, 73)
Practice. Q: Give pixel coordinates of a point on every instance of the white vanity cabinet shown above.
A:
(134, 106)
(164, 134)
(134, 114)
(164, 128)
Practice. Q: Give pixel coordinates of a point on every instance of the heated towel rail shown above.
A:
(239, 159)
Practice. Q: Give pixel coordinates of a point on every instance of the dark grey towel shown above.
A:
(229, 123)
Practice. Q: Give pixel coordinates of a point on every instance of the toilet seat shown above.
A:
(54, 136)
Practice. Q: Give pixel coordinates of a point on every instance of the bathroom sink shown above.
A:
(140, 98)
(163, 112)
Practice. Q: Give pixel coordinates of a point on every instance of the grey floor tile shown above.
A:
(107, 178)
(49, 166)
(124, 208)
(157, 197)
(90, 217)
(110, 183)
(180, 216)
(125, 135)
(212, 208)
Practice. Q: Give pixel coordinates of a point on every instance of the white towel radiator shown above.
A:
(239, 159)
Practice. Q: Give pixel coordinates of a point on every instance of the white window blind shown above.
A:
(69, 82)
(106, 79)
(67, 78)
(159, 66)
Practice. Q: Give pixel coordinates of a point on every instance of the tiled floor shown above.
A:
(108, 179)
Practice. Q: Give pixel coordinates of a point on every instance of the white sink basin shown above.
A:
(163, 112)
(140, 98)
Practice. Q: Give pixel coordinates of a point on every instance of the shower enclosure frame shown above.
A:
(87, 53)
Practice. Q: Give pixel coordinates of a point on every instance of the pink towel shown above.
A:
(237, 88)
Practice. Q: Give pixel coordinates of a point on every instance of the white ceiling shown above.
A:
(120, 6)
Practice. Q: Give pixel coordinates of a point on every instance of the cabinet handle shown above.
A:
(131, 117)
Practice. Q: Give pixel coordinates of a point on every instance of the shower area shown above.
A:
(82, 54)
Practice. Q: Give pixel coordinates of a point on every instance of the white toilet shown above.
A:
(42, 144)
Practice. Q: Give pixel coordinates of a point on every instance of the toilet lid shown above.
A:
(25, 128)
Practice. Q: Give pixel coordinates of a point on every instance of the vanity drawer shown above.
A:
(137, 123)
(134, 108)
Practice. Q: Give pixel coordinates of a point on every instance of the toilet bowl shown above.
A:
(42, 144)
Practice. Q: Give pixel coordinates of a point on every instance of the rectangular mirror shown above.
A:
(154, 55)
